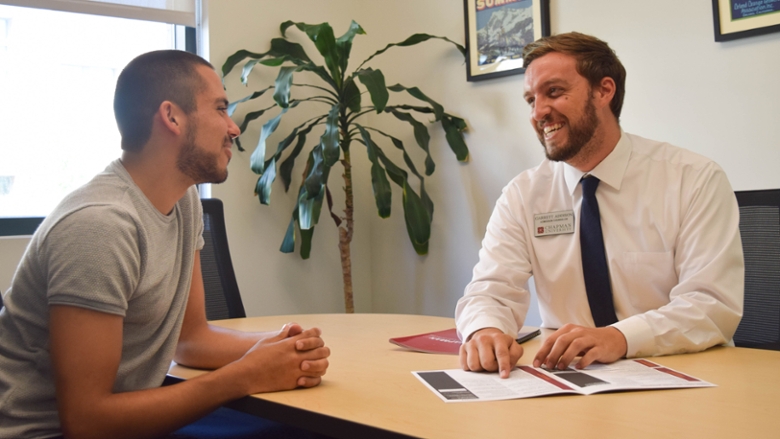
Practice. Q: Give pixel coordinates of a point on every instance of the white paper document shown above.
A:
(456, 385)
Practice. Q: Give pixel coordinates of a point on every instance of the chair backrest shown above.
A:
(223, 300)
(759, 226)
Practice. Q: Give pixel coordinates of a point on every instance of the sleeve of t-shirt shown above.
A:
(92, 259)
(197, 214)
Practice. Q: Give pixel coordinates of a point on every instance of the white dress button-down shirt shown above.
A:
(671, 234)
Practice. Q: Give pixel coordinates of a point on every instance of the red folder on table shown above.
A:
(444, 342)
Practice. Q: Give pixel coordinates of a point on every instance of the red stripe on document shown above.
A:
(677, 374)
(541, 376)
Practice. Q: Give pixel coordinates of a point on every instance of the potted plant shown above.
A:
(341, 93)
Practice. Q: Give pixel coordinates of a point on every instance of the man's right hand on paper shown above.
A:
(489, 349)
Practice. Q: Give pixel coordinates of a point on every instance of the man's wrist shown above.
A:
(483, 330)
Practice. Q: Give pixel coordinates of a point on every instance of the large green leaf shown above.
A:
(252, 116)
(454, 137)
(321, 72)
(351, 95)
(279, 48)
(411, 41)
(400, 145)
(398, 175)
(344, 44)
(286, 142)
(438, 110)
(286, 25)
(293, 51)
(325, 42)
(318, 172)
(424, 110)
(233, 105)
(236, 58)
(247, 69)
(426, 200)
(306, 237)
(282, 85)
(270, 62)
(374, 81)
(418, 220)
(330, 139)
(285, 169)
(257, 159)
(309, 209)
(382, 192)
(265, 182)
(288, 243)
(420, 135)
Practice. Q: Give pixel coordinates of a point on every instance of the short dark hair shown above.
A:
(148, 81)
(595, 60)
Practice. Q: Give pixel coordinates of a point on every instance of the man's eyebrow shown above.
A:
(548, 83)
(554, 81)
(223, 101)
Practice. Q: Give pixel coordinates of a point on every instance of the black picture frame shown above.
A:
(494, 64)
(728, 28)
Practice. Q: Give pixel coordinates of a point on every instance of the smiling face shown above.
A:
(205, 154)
(563, 113)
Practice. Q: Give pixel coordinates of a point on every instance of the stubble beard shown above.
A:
(199, 165)
(579, 135)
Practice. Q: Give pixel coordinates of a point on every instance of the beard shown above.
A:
(580, 134)
(199, 165)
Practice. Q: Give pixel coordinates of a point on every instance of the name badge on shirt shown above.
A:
(554, 223)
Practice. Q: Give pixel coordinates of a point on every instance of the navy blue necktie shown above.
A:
(594, 259)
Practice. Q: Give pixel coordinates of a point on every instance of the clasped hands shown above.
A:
(490, 349)
(291, 357)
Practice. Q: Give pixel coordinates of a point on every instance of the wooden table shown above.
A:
(369, 392)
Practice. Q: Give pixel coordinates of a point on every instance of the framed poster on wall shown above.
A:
(745, 18)
(498, 30)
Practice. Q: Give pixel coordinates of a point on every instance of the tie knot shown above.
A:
(589, 185)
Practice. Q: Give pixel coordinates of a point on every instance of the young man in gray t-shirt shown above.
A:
(109, 290)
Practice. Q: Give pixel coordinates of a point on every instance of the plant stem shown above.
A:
(345, 235)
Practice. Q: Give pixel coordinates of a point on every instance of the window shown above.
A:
(58, 71)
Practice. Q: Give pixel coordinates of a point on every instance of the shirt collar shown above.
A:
(609, 171)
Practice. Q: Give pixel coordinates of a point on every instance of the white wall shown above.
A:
(718, 99)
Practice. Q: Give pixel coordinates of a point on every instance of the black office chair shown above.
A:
(223, 300)
(759, 226)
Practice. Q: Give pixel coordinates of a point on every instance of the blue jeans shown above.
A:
(225, 423)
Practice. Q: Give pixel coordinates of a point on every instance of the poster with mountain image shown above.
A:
(504, 27)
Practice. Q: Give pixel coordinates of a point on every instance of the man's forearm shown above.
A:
(212, 347)
(151, 413)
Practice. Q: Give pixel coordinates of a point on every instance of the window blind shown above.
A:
(180, 12)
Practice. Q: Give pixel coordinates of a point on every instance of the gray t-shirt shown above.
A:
(108, 249)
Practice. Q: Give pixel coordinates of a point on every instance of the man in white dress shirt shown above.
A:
(670, 231)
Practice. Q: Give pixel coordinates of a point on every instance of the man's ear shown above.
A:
(171, 117)
(605, 91)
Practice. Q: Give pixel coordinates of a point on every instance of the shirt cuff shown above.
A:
(640, 341)
(482, 323)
